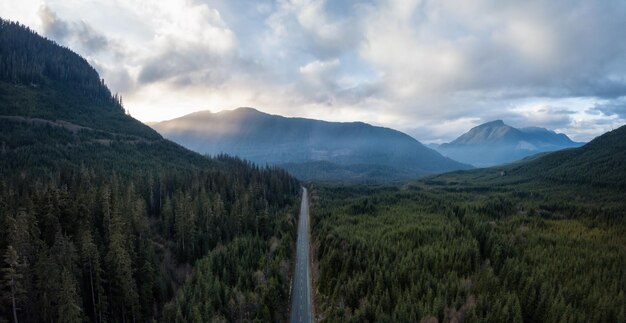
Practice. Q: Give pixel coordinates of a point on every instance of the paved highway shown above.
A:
(301, 308)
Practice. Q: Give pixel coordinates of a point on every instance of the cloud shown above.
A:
(320, 75)
(194, 41)
(79, 33)
(514, 49)
(90, 39)
(615, 107)
(432, 68)
(319, 68)
(541, 115)
(329, 37)
(82, 37)
(52, 25)
(172, 63)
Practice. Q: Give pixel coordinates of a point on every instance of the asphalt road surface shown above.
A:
(301, 308)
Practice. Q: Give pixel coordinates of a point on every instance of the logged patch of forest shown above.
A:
(436, 251)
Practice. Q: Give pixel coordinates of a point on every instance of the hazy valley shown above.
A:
(496, 143)
(309, 149)
(246, 216)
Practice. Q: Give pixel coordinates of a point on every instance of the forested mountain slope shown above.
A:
(41, 79)
(102, 219)
(599, 163)
(331, 148)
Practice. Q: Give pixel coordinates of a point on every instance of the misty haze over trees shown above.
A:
(496, 143)
(104, 219)
(310, 149)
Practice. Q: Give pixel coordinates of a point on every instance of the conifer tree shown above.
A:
(69, 309)
(12, 279)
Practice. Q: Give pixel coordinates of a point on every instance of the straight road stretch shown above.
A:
(301, 308)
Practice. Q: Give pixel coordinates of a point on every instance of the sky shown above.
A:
(433, 69)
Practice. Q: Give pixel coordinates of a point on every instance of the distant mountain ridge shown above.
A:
(599, 163)
(495, 143)
(271, 139)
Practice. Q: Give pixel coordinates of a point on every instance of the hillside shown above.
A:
(102, 219)
(55, 110)
(599, 163)
(270, 139)
(495, 143)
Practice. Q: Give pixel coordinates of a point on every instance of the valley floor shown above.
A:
(427, 252)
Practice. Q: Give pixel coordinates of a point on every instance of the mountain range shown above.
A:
(329, 150)
(103, 219)
(598, 164)
(495, 143)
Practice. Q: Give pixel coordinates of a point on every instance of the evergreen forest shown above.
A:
(103, 220)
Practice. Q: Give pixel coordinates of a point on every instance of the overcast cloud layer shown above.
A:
(430, 68)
